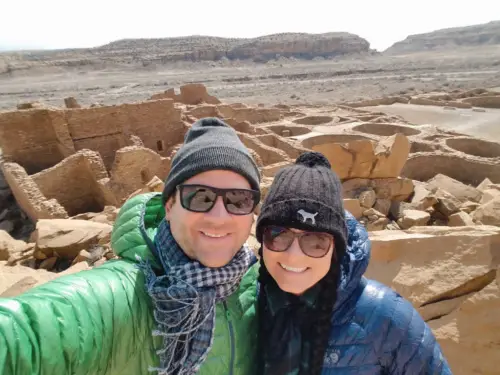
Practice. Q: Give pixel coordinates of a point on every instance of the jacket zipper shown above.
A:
(231, 337)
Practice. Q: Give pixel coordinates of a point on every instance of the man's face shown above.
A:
(214, 237)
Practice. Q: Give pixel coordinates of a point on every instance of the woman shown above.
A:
(317, 313)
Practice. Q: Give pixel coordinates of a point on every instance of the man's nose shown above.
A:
(218, 211)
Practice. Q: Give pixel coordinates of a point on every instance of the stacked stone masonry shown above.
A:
(429, 198)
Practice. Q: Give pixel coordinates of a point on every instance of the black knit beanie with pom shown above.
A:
(308, 196)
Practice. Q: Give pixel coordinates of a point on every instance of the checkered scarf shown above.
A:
(184, 302)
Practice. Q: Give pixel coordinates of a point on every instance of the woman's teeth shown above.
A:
(212, 235)
(292, 269)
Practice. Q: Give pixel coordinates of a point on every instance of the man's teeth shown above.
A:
(214, 235)
(292, 269)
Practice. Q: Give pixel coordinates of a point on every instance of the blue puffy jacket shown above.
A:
(374, 330)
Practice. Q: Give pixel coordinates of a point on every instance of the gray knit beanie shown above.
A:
(210, 144)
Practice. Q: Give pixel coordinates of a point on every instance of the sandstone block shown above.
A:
(367, 198)
(447, 203)
(413, 218)
(484, 184)
(383, 206)
(353, 206)
(488, 213)
(422, 198)
(488, 195)
(65, 238)
(460, 219)
(456, 188)
(10, 246)
(392, 153)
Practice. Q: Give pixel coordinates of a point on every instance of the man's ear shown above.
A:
(168, 206)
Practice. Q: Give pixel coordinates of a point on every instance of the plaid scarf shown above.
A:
(184, 301)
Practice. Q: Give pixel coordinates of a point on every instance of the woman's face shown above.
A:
(294, 271)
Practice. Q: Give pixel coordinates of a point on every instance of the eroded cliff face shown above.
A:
(193, 48)
(468, 36)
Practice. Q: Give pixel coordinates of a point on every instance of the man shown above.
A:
(181, 298)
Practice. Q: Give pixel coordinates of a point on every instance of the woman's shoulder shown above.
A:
(374, 305)
(384, 329)
(374, 314)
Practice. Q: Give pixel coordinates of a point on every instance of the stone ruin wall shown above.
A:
(28, 195)
(429, 198)
(48, 154)
(63, 162)
(36, 139)
(74, 183)
(40, 138)
(107, 129)
(83, 159)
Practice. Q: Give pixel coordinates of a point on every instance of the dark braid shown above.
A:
(309, 186)
(320, 330)
(263, 279)
(322, 322)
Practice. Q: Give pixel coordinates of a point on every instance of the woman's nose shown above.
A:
(294, 250)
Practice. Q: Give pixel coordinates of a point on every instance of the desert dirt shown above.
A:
(467, 121)
(282, 80)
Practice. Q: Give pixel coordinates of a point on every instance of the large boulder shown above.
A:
(488, 213)
(66, 238)
(17, 279)
(367, 159)
(458, 189)
(10, 246)
(450, 275)
(470, 334)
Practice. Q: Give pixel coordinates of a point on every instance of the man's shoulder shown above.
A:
(135, 226)
(139, 206)
(246, 293)
(249, 279)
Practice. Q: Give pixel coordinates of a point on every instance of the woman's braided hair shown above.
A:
(321, 326)
(312, 182)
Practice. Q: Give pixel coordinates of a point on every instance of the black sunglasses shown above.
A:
(312, 244)
(202, 198)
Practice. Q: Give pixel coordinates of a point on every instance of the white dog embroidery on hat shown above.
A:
(306, 215)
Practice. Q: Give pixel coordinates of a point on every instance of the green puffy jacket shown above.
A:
(100, 321)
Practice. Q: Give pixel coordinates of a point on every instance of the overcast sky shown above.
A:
(65, 24)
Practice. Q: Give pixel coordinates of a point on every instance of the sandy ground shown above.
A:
(479, 124)
(279, 81)
(300, 83)
(288, 81)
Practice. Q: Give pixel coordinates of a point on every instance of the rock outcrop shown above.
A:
(451, 38)
(201, 48)
(457, 99)
(451, 276)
